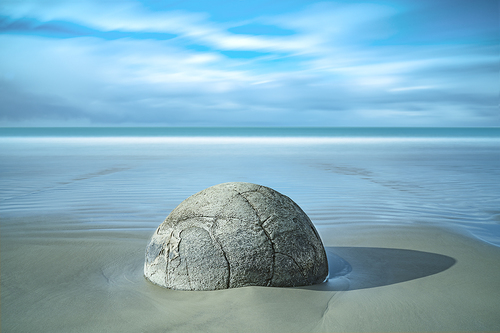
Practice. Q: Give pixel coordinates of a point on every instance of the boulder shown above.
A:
(233, 235)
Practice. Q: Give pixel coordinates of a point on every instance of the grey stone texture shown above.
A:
(233, 235)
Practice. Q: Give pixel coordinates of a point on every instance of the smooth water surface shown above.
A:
(127, 179)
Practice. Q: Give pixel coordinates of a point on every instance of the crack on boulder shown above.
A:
(313, 230)
(167, 261)
(195, 216)
(253, 207)
(169, 226)
(294, 261)
(250, 191)
(173, 246)
(223, 253)
(270, 279)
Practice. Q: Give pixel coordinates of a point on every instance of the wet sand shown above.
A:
(402, 278)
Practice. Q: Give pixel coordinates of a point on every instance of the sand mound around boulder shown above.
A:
(233, 235)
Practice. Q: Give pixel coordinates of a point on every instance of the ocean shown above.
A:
(71, 198)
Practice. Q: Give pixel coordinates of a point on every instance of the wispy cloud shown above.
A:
(323, 64)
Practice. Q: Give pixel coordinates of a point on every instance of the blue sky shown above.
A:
(249, 63)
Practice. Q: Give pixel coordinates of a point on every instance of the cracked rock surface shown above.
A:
(233, 235)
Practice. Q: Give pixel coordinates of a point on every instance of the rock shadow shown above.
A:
(353, 268)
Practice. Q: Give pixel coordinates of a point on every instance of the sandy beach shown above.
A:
(403, 278)
(410, 228)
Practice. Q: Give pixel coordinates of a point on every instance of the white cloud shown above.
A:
(333, 18)
(99, 75)
(132, 17)
(412, 88)
(322, 72)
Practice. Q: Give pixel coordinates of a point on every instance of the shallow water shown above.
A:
(76, 212)
(134, 182)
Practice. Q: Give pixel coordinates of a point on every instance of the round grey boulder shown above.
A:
(233, 235)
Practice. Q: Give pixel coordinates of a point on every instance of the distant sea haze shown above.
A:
(418, 132)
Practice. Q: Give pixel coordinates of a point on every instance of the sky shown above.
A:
(249, 63)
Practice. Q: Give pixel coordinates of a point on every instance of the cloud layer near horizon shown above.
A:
(404, 63)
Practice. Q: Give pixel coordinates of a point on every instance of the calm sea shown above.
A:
(129, 179)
